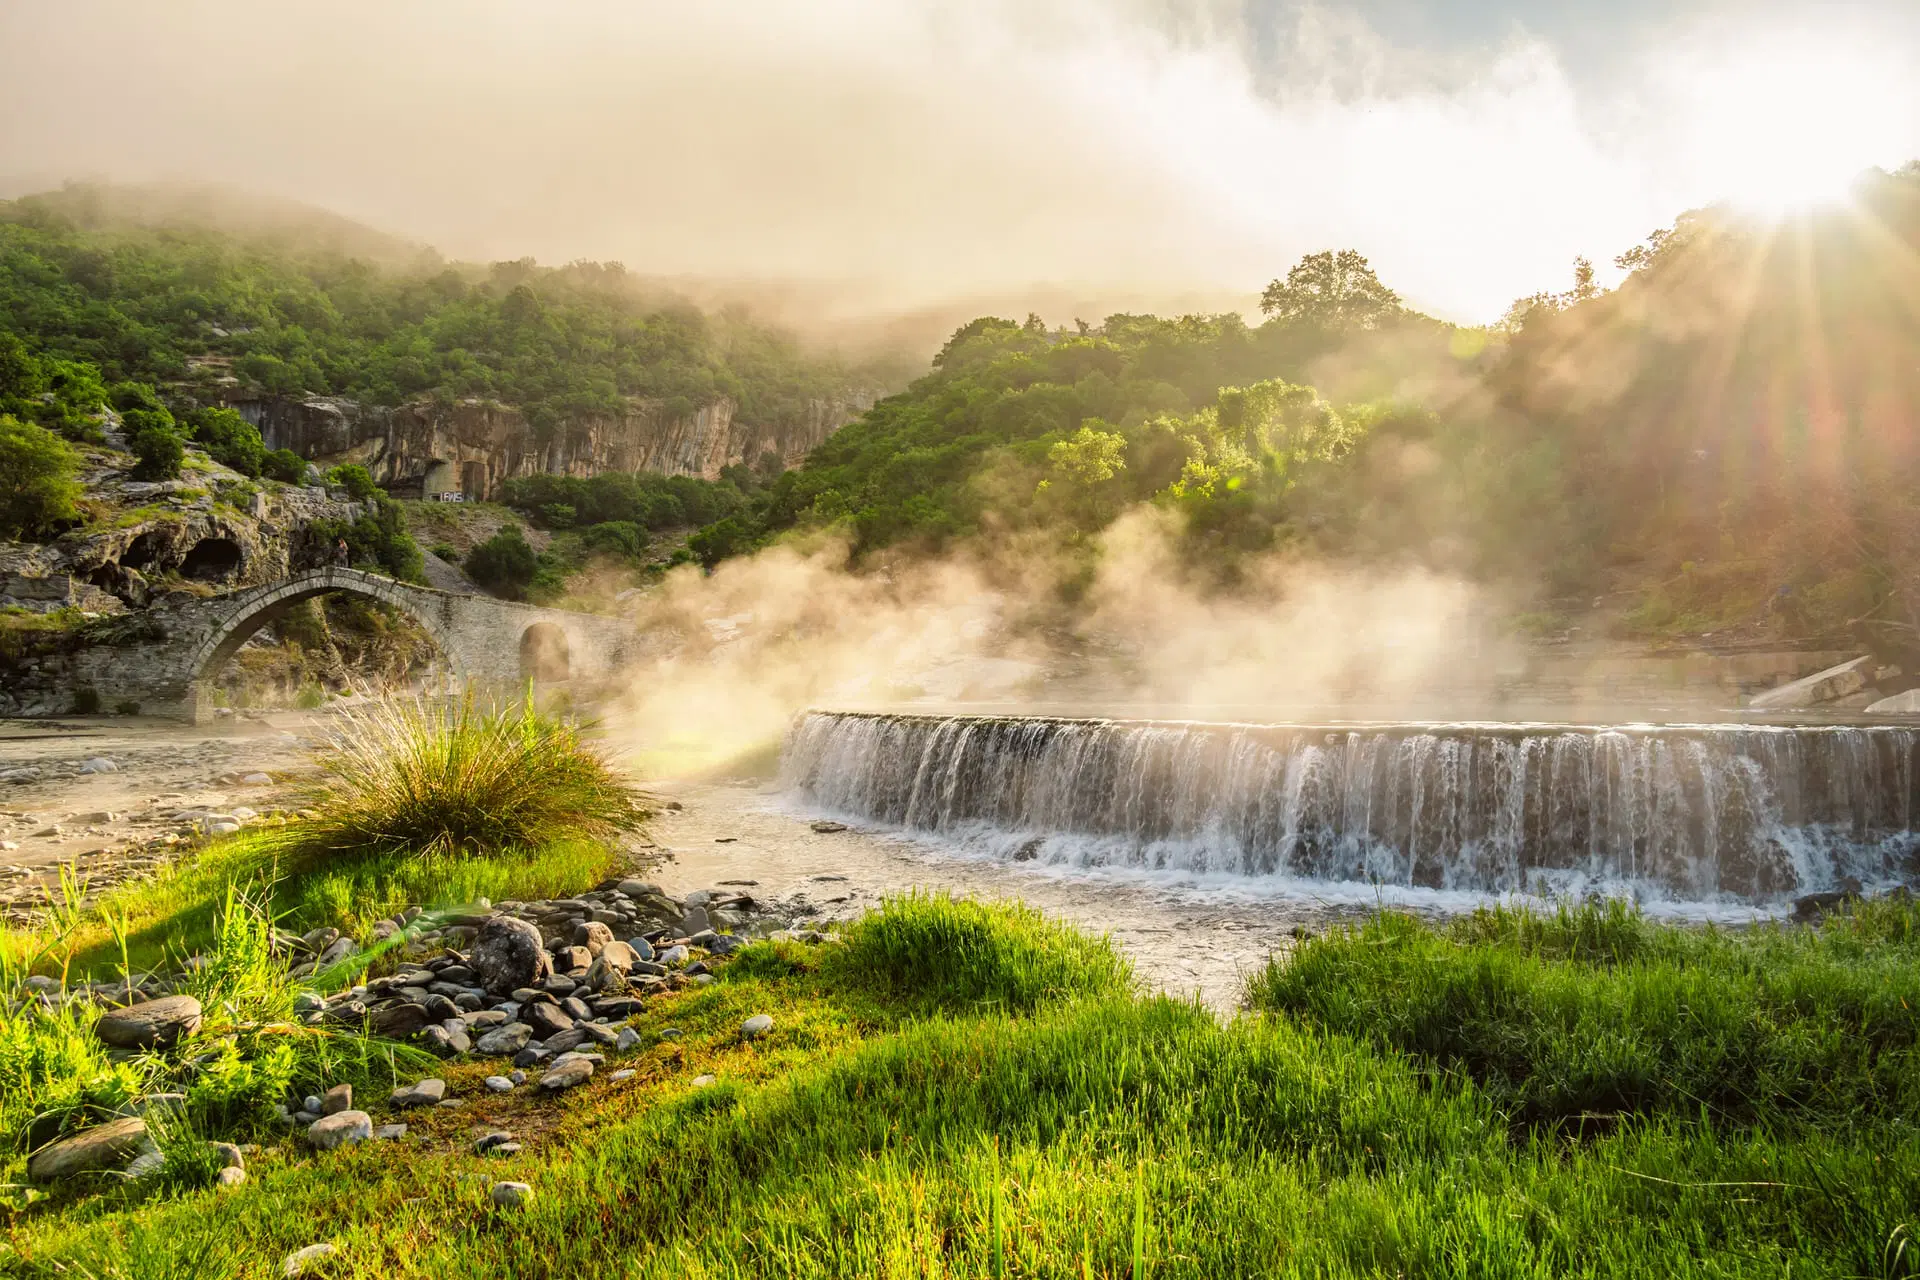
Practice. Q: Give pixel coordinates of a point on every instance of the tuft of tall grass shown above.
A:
(436, 779)
(1595, 1011)
(964, 955)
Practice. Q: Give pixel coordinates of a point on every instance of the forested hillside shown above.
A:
(1730, 440)
(298, 305)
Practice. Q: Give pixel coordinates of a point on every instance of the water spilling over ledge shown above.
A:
(1683, 813)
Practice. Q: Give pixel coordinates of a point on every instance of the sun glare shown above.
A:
(1790, 125)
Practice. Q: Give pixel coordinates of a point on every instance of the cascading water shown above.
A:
(1693, 813)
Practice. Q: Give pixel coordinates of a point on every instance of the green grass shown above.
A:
(428, 780)
(178, 913)
(940, 1097)
(1596, 1012)
(56, 1077)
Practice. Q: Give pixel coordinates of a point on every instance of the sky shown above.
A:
(905, 153)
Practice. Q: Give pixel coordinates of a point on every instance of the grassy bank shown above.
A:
(958, 1090)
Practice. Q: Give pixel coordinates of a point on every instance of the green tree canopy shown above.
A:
(1335, 291)
(37, 486)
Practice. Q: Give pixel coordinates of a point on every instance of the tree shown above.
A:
(158, 452)
(283, 465)
(229, 439)
(37, 488)
(1334, 291)
(504, 564)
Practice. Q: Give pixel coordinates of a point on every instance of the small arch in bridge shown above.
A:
(545, 655)
(211, 560)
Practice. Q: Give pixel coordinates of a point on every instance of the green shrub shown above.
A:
(228, 438)
(86, 701)
(38, 491)
(957, 953)
(283, 465)
(408, 777)
(446, 551)
(310, 696)
(158, 453)
(504, 564)
(126, 707)
(357, 481)
(622, 539)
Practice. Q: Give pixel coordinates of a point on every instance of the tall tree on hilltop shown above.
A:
(1331, 291)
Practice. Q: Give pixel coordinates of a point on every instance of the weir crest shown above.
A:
(1702, 813)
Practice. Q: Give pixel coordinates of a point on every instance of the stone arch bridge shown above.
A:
(480, 639)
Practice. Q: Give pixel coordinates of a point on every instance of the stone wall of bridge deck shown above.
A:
(480, 640)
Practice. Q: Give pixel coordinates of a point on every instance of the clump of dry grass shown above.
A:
(438, 779)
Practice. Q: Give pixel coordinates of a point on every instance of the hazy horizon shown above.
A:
(897, 159)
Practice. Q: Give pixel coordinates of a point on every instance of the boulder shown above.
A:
(508, 953)
(112, 1145)
(1820, 687)
(341, 1129)
(504, 1041)
(425, 1094)
(1900, 704)
(153, 1025)
(567, 1074)
(396, 1022)
(592, 935)
(546, 1020)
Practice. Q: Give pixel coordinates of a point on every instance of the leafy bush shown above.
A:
(357, 481)
(413, 778)
(283, 465)
(158, 453)
(446, 551)
(86, 701)
(620, 538)
(228, 438)
(126, 707)
(504, 564)
(957, 953)
(37, 486)
(377, 542)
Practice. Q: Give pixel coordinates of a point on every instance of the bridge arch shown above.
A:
(253, 609)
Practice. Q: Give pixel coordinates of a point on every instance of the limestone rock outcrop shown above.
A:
(473, 446)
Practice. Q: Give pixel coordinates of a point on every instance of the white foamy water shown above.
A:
(1698, 821)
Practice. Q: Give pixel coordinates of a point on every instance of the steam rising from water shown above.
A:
(740, 652)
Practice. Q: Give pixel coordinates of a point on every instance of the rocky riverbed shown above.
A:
(170, 784)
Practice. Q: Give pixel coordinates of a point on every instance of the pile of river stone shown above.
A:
(547, 985)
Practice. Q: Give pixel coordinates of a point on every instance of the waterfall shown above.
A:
(1744, 814)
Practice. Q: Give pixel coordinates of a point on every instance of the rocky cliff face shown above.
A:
(472, 446)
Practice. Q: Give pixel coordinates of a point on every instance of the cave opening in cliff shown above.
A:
(544, 654)
(211, 560)
(141, 552)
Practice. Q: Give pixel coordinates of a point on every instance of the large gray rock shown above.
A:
(592, 935)
(425, 1094)
(112, 1145)
(609, 971)
(567, 1074)
(341, 1129)
(504, 1041)
(1820, 687)
(153, 1025)
(507, 954)
(1900, 704)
